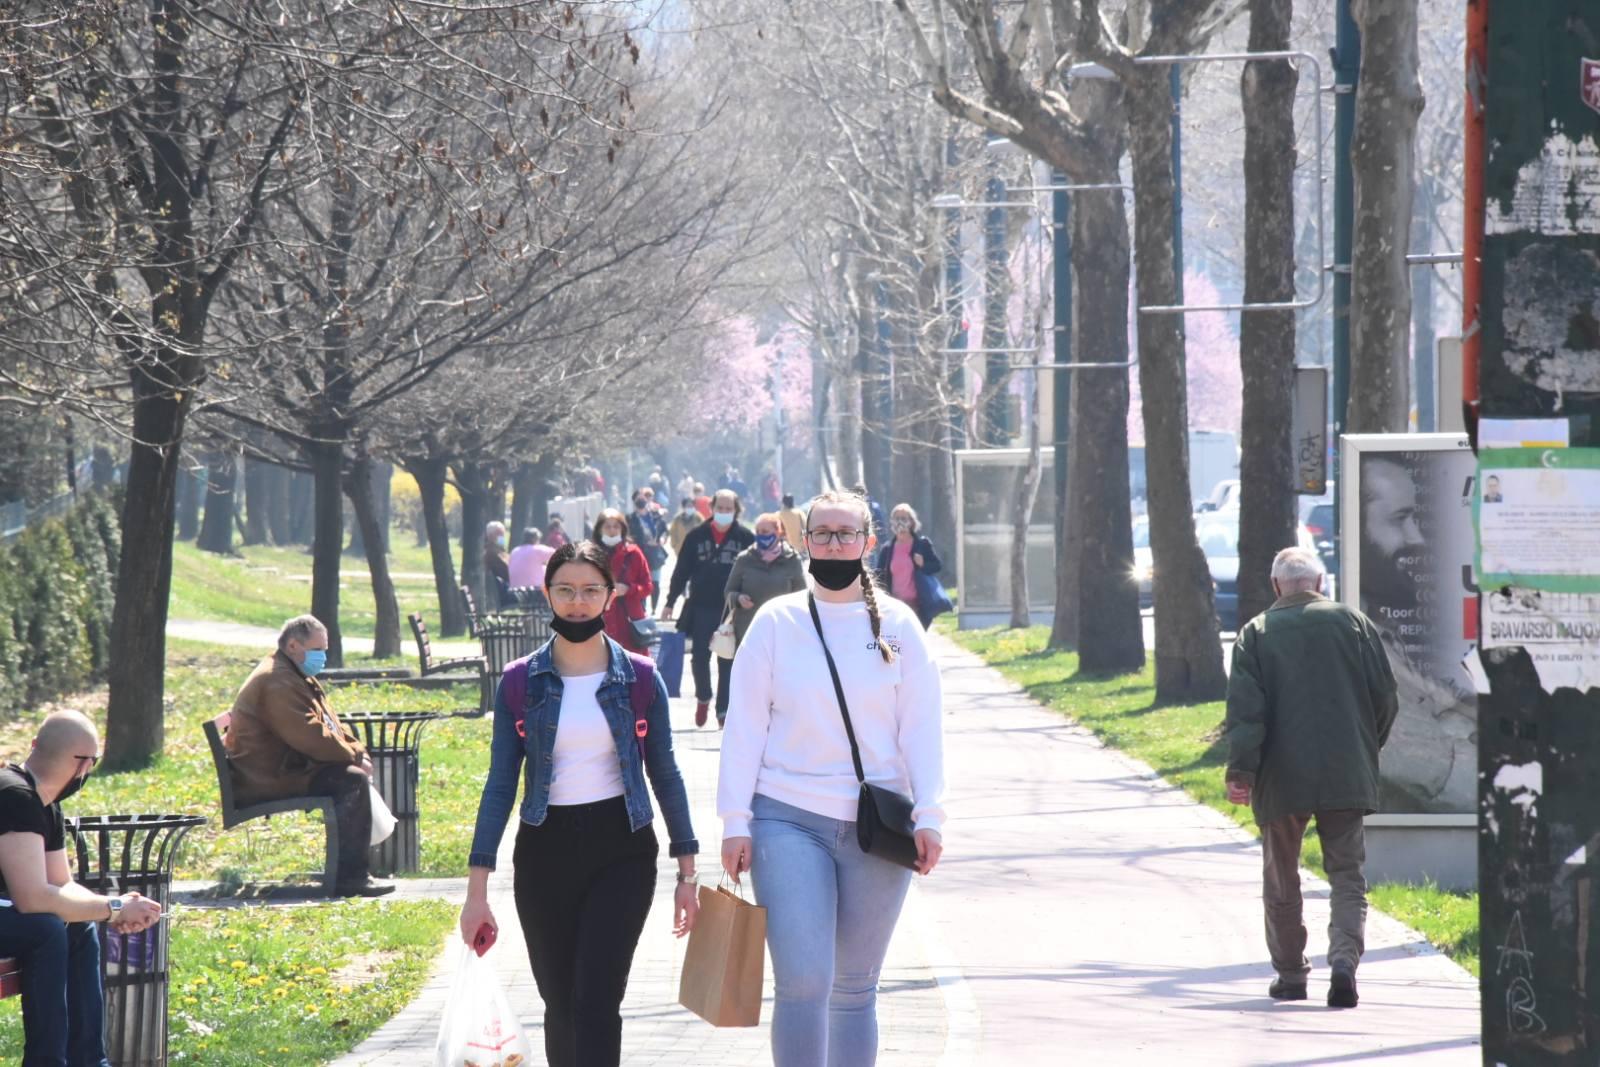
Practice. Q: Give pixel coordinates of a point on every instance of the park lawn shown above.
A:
(290, 986)
(263, 586)
(1183, 744)
(201, 683)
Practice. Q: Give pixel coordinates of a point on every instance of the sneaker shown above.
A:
(1282, 989)
(700, 711)
(369, 888)
(1342, 988)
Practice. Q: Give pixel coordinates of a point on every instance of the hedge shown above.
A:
(57, 588)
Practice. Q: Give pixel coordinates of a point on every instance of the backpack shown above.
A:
(641, 694)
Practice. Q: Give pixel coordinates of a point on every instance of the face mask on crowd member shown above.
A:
(722, 518)
(765, 541)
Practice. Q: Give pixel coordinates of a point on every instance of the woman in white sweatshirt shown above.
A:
(787, 789)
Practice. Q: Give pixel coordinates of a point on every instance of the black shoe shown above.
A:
(1285, 990)
(1342, 988)
(369, 888)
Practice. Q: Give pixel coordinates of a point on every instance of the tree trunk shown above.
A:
(430, 476)
(327, 459)
(103, 466)
(257, 481)
(216, 532)
(847, 403)
(301, 490)
(279, 505)
(522, 478)
(1382, 157)
(135, 732)
(877, 456)
(191, 488)
(1267, 338)
(1110, 633)
(359, 485)
(473, 484)
(1021, 519)
(1188, 651)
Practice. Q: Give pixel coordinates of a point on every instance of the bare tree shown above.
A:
(1383, 158)
(1267, 338)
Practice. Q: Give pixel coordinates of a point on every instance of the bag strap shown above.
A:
(838, 691)
(641, 694)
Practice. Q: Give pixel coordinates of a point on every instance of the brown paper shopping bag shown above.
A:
(723, 965)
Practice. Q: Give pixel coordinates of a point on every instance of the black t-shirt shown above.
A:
(21, 811)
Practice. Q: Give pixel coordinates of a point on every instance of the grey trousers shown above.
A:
(1344, 850)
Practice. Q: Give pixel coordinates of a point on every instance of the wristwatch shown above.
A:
(692, 878)
(115, 906)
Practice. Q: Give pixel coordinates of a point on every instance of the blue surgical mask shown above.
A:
(722, 518)
(316, 659)
(765, 541)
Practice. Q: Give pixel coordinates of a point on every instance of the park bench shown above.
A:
(431, 666)
(233, 814)
(469, 605)
(10, 979)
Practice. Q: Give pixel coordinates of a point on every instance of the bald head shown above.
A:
(63, 736)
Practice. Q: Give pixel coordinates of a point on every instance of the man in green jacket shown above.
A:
(1311, 699)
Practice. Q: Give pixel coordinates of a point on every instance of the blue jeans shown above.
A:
(820, 889)
(63, 1020)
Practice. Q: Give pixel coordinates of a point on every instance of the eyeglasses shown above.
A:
(828, 537)
(567, 594)
(92, 760)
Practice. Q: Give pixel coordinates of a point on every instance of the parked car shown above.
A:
(1143, 570)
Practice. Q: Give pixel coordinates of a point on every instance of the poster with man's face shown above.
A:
(1411, 574)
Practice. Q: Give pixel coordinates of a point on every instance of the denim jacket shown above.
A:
(534, 755)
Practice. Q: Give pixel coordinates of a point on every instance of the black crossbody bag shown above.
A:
(884, 827)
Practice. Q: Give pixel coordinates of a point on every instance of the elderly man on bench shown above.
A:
(285, 741)
(47, 921)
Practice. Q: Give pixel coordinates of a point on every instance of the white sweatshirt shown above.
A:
(785, 738)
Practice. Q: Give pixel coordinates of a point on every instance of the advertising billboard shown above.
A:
(1407, 553)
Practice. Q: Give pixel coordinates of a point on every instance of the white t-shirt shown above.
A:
(785, 738)
(587, 768)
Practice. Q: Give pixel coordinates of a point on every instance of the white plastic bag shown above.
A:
(383, 820)
(479, 1027)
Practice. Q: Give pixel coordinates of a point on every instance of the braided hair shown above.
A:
(869, 585)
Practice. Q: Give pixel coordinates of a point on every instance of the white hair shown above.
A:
(1296, 567)
(300, 628)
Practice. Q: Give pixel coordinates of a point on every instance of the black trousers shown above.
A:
(353, 810)
(583, 883)
(702, 626)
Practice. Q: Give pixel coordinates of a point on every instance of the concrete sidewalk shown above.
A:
(1084, 907)
(1083, 902)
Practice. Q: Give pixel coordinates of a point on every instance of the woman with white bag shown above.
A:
(831, 786)
(582, 721)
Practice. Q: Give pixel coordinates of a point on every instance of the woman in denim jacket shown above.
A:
(589, 729)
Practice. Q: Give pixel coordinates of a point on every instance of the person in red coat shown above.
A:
(632, 573)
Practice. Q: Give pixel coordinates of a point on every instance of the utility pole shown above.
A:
(1346, 69)
(1531, 258)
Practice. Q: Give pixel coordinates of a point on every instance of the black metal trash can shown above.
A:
(393, 740)
(132, 854)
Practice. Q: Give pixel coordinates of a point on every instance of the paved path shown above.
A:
(244, 635)
(1083, 905)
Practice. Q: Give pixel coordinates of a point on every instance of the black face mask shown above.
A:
(71, 788)
(575, 630)
(835, 574)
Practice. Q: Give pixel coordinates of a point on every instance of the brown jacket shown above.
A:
(283, 732)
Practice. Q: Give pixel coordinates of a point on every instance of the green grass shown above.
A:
(202, 681)
(1182, 743)
(263, 586)
(290, 986)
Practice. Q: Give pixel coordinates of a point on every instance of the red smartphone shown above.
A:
(483, 939)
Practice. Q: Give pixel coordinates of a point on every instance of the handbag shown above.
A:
(723, 641)
(884, 826)
(644, 630)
